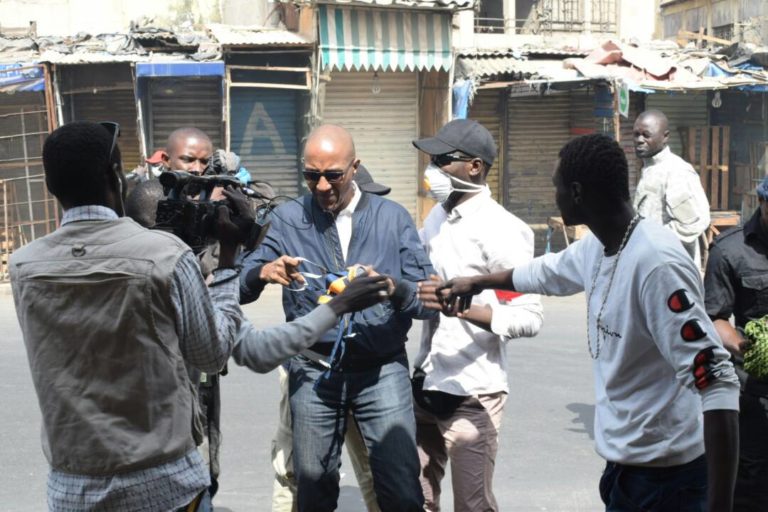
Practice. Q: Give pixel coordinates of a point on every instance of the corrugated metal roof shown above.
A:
(86, 48)
(104, 57)
(520, 52)
(507, 67)
(647, 70)
(563, 52)
(229, 35)
(655, 67)
(412, 4)
(83, 57)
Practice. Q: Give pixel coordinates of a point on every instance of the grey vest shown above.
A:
(93, 301)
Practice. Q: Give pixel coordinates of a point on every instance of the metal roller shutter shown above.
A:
(627, 132)
(180, 102)
(27, 210)
(486, 109)
(538, 126)
(264, 135)
(118, 106)
(537, 129)
(382, 125)
(682, 110)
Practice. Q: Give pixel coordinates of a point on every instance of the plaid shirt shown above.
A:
(207, 325)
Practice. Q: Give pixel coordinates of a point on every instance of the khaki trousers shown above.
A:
(469, 439)
(284, 486)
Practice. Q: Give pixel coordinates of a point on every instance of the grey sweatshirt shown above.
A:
(263, 350)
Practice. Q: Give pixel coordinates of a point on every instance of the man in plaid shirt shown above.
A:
(112, 314)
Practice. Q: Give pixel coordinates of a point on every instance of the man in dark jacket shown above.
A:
(360, 366)
(736, 284)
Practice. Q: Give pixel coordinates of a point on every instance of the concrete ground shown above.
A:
(546, 460)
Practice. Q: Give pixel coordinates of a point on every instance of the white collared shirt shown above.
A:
(477, 237)
(344, 221)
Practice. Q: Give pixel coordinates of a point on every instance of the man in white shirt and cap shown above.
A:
(461, 371)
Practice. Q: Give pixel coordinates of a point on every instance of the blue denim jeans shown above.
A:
(642, 489)
(380, 402)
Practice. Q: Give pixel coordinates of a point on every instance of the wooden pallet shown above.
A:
(708, 151)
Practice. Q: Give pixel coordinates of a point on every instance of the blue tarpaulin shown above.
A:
(180, 68)
(713, 70)
(20, 77)
(462, 90)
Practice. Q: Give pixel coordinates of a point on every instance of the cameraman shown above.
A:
(118, 409)
(191, 150)
(188, 149)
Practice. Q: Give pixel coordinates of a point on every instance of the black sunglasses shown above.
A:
(114, 130)
(449, 158)
(330, 176)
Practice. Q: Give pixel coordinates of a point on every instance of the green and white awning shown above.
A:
(384, 39)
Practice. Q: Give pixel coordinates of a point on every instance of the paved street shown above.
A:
(545, 462)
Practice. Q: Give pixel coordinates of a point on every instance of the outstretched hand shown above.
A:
(362, 292)
(370, 271)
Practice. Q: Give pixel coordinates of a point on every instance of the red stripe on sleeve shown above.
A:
(506, 296)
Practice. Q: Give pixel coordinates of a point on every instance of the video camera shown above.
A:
(193, 220)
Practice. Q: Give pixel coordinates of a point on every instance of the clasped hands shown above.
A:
(451, 298)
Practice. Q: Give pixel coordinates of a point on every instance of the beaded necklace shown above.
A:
(598, 329)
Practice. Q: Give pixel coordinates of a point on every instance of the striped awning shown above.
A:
(384, 39)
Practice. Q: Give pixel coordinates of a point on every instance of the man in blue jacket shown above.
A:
(360, 366)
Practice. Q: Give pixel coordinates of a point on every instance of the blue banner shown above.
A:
(21, 77)
(180, 68)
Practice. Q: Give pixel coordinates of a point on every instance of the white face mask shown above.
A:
(439, 184)
(156, 170)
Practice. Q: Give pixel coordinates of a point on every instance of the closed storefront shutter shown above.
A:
(627, 128)
(682, 110)
(181, 102)
(382, 125)
(538, 126)
(118, 106)
(486, 109)
(103, 92)
(263, 133)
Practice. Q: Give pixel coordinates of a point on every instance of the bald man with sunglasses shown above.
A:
(359, 367)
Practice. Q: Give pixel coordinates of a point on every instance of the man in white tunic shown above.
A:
(669, 191)
(653, 346)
